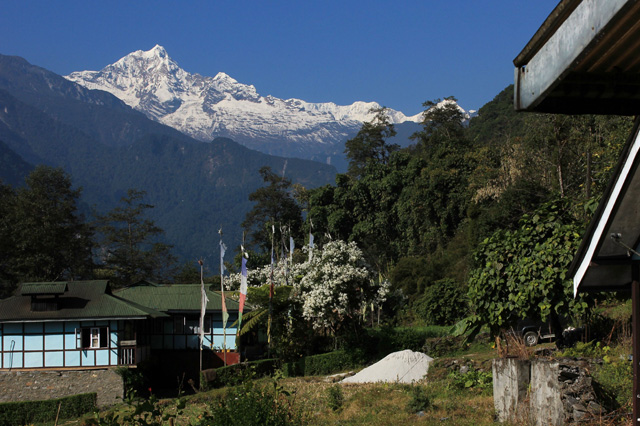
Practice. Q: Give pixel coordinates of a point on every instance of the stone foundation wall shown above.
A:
(48, 384)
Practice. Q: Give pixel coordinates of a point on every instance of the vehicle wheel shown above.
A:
(530, 338)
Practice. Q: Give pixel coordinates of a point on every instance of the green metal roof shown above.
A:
(34, 289)
(82, 300)
(174, 297)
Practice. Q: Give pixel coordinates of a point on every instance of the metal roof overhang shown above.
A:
(584, 59)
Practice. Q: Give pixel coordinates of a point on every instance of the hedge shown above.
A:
(329, 363)
(28, 412)
(232, 375)
(383, 341)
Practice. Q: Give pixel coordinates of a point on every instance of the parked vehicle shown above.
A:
(532, 332)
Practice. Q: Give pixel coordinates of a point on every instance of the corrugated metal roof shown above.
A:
(82, 300)
(51, 288)
(174, 297)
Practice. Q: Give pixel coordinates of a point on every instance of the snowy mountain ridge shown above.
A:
(208, 107)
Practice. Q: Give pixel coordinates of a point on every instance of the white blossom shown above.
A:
(334, 285)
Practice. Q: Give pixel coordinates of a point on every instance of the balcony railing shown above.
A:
(127, 355)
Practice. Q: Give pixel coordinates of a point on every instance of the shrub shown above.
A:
(141, 412)
(443, 302)
(132, 379)
(473, 378)
(613, 382)
(27, 412)
(236, 374)
(254, 406)
(383, 341)
(335, 397)
(419, 401)
(328, 363)
(441, 346)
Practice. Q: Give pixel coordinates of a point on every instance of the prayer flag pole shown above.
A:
(203, 308)
(243, 286)
(225, 314)
(273, 232)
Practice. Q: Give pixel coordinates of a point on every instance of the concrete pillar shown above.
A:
(546, 395)
(510, 384)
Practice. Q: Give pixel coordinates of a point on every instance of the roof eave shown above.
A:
(604, 213)
(564, 40)
(30, 320)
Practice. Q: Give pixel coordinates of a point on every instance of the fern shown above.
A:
(253, 318)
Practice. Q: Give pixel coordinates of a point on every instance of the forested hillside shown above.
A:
(426, 215)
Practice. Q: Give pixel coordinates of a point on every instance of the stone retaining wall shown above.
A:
(48, 384)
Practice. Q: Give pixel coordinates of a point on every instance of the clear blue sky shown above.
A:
(398, 53)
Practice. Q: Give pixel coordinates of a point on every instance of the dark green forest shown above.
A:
(477, 222)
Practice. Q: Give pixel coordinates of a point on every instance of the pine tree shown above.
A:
(130, 249)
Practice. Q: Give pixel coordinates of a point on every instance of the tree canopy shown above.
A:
(130, 250)
(522, 273)
(274, 211)
(370, 145)
(43, 237)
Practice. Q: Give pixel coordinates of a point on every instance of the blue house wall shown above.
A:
(181, 332)
(57, 344)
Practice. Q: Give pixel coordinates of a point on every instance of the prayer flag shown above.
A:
(203, 306)
(225, 314)
(292, 246)
(243, 288)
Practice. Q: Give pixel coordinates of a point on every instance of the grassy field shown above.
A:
(363, 404)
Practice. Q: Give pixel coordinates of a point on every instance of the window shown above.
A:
(178, 324)
(193, 326)
(95, 337)
(44, 304)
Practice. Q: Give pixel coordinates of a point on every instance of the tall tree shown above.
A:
(130, 249)
(275, 206)
(443, 124)
(44, 235)
(370, 145)
(7, 216)
(434, 202)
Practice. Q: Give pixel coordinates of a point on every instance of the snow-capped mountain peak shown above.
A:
(207, 107)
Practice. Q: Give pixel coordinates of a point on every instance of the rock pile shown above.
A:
(577, 393)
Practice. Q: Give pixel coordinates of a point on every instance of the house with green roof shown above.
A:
(181, 303)
(86, 325)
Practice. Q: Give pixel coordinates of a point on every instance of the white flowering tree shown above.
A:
(283, 274)
(336, 286)
(331, 291)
